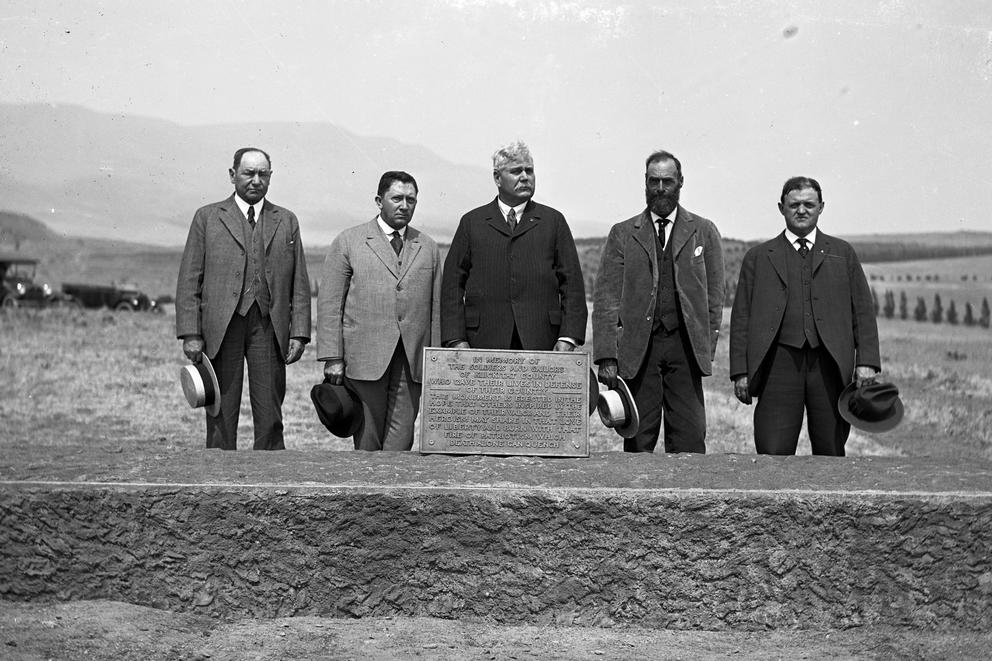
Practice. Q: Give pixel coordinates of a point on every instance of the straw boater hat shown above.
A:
(618, 410)
(874, 407)
(199, 383)
(338, 407)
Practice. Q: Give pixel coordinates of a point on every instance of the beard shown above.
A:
(660, 202)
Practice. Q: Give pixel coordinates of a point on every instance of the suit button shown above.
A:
(648, 318)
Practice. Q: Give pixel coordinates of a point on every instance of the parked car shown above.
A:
(19, 287)
(124, 297)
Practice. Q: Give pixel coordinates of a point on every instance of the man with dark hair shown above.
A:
(657, 311)
(243, 294)
(512, 278)
(801, 329)
(378, 306)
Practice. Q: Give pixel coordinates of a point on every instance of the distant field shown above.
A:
(961, 279)
(92, 381)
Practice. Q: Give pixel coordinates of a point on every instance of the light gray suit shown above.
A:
(378, 311)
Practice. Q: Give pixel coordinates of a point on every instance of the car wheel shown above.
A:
(9, 302)
(124, 307)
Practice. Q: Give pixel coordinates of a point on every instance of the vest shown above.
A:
(666, 313)
(798, 324)
(255, 288)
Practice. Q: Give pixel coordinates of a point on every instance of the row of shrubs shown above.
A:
(936, 314)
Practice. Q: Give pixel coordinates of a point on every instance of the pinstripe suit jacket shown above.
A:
(369, 299)
(531, 278)
(212, 273)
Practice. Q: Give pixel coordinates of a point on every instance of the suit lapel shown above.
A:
(646, 236)
(410, 250)
(270, 224)
(528, 221)
(683, 230)
(820, 250)
(380, 246)
(777, 256)
(496, 219)
(230, 216)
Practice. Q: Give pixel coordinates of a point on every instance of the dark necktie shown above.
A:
(662, 223)
(511, 219)
(803, 247)
(251, 217)
(396, 242)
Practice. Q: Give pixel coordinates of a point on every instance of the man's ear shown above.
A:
(378, 201)
(231, 173)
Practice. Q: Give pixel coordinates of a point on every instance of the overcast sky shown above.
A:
(888, 104)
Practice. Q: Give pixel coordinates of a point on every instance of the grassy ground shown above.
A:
(76, 379)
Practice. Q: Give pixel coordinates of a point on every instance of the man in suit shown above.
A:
(657, 311)
(378, 306)
(802, 327)
(244, 294)
(512, 278)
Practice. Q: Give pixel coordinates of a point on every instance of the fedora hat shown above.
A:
(199, 383)
(618, 411)
(338, 408)
(872, 407)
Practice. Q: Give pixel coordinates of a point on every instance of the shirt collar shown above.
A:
(671, 217)
(387, 230)
(244, 206)
(505, 208)
(792, 237)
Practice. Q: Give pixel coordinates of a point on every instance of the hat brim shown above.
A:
(214, 408)
(192, 377)
(871, 426)
(628, 430)
(338, 407)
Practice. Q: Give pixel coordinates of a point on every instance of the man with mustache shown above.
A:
(378, 306)
(243, 295)
(801, 329)
(657, 311)
(512, 278)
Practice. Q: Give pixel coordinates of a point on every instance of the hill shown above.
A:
(100, 175)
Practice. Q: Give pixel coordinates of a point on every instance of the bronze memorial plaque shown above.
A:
(493, 401)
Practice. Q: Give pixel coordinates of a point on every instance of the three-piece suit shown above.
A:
(657, 312)
(798, 327)
(244, 314)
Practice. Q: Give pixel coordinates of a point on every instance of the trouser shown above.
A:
(800, 380)
(249, 338)
(389, 406)
(669, 387)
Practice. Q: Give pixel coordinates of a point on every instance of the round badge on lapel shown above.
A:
(199, 382)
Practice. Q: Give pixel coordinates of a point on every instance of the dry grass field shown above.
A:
(96, 381)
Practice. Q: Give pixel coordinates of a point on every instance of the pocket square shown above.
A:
(698, 251)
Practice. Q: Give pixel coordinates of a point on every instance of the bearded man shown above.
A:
(657, 311)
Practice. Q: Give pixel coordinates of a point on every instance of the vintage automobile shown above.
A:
(123, 297)
(19, 288)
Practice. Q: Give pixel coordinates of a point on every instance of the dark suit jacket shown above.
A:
(493, 280)
(627, 289)
(212, 272)
(842, 307)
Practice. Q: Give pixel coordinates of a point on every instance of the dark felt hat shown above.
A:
(199, 382)
(873, 407)
(338, 407)
(618, 411)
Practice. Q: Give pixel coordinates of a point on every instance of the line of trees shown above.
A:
(936, 314)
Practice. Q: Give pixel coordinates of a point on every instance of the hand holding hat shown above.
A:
(871, 406)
